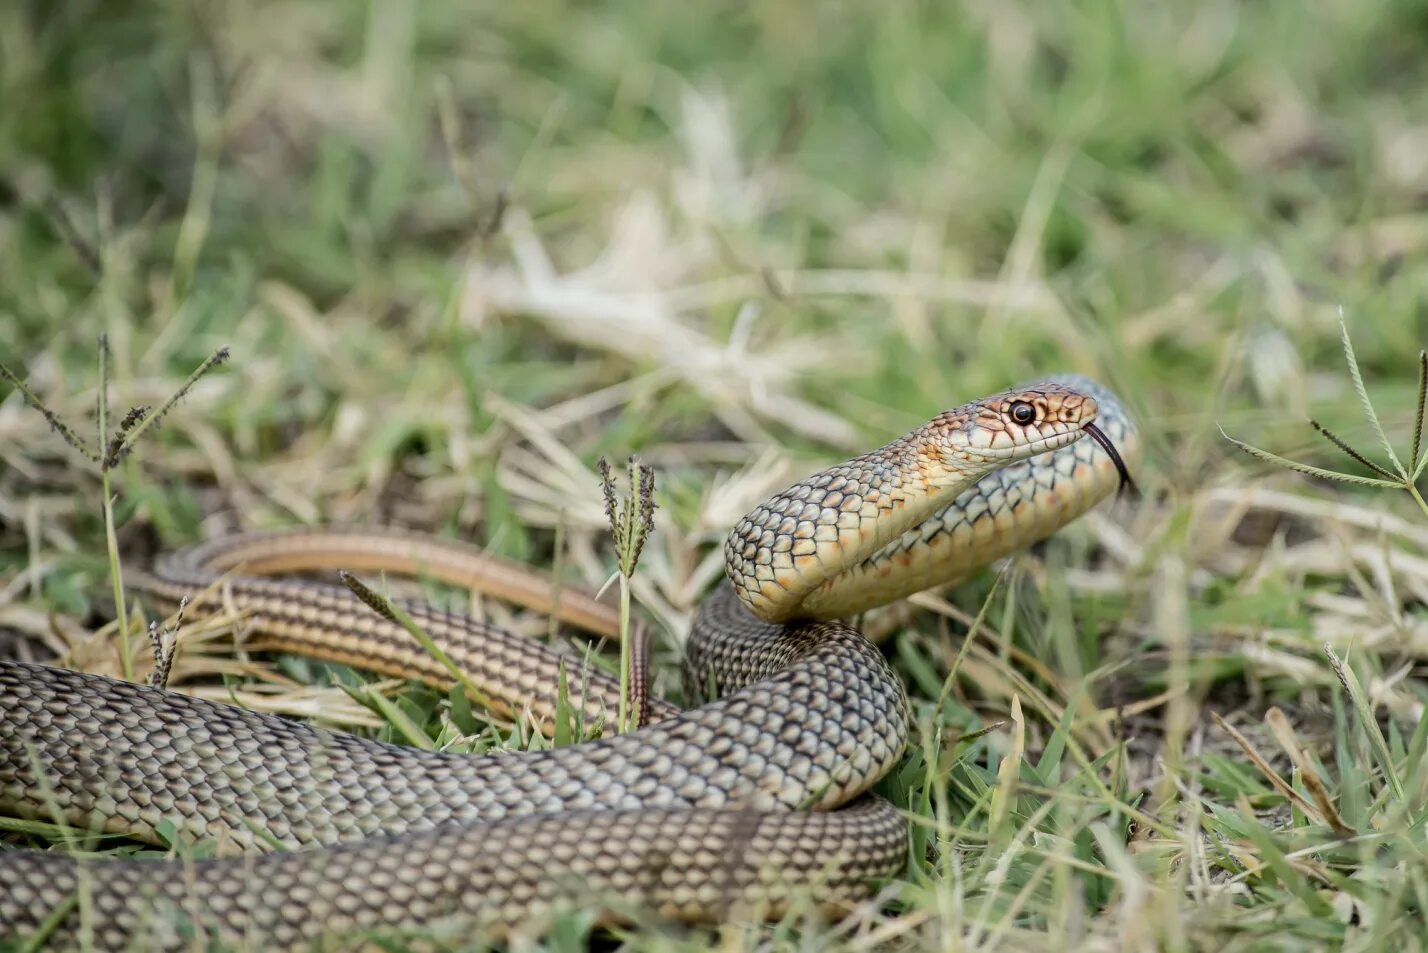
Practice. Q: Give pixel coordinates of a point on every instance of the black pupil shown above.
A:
(1022, 413)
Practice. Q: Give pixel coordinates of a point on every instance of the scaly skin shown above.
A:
(741, 805)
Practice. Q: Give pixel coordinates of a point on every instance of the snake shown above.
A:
(758, 803)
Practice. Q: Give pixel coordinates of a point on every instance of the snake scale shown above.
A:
(753, 804)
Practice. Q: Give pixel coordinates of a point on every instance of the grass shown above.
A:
(459, 253)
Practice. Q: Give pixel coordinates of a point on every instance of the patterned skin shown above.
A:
(743, 804)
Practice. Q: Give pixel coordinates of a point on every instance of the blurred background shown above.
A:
(459, 251)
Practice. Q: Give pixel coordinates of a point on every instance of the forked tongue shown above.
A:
(1127, 487)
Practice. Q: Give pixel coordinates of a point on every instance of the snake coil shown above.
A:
(751, 804)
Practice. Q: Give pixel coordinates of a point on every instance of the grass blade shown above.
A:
(1305, 468)
(1414, 762)
(52, 418)
(392, 612)
(1283, 732)
(1356, 694)
(398, 719)
(1419, 462)
(1004, 794)
(1337, 441)
(1273, 857)
(1367, 404)
(564, 733)
(122, 447)
(40, 938)
(1258, 760)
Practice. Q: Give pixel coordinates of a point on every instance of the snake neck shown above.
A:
(816, 530)
(1002, 514)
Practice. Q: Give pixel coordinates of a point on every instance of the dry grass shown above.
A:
(459, 254)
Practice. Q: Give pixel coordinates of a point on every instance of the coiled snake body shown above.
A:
(748, 805)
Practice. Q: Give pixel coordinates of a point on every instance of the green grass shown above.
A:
(460, 252)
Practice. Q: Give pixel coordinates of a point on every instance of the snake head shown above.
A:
(990, 433)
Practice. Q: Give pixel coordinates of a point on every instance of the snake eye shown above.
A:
(1021, 412)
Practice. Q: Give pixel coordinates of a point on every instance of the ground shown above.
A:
(460, 251)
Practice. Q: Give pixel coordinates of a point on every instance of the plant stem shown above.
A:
(393, 612)
(111, 538)
(1418, 498)
(116, 576)
(625, 652)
